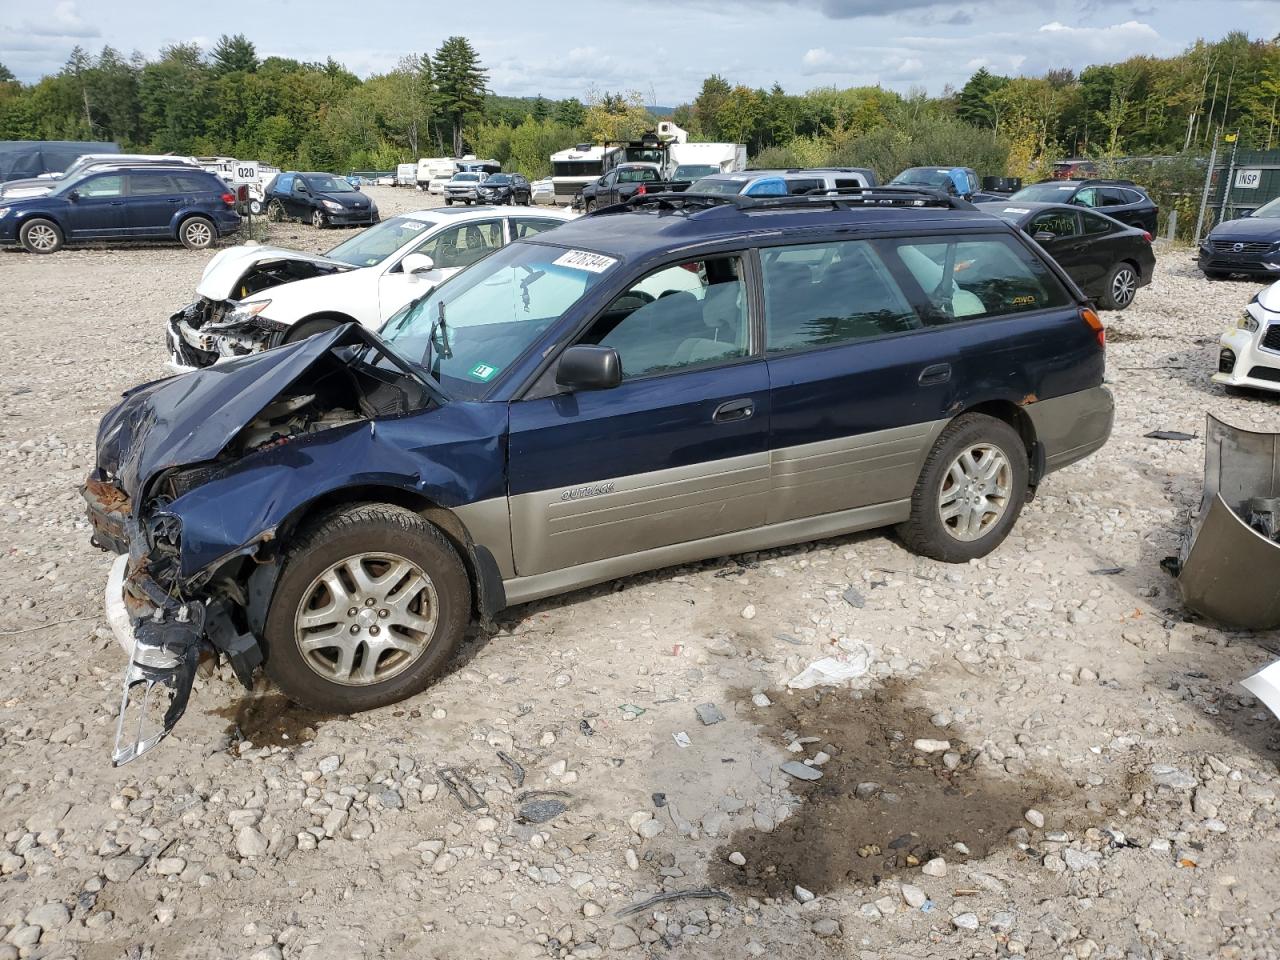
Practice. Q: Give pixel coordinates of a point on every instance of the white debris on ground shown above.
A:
(1130, 787)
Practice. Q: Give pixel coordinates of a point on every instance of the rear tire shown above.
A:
(1120, 288)
(197, 233)
(970, 491)
(40, 236)
(392, 647)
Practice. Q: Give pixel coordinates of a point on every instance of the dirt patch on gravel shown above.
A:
(918, 809)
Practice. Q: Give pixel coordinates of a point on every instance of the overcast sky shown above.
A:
(563, 49)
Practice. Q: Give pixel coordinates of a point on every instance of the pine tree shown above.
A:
(540, 109)
(234, 53)
(6, 75)
(461, 82)
(571, 112)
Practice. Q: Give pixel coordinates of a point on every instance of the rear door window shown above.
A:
(970, 277)
(822, 294)
(1095, 225)
(150, 185)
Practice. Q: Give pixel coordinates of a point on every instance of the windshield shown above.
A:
(466, 177)
(1270, 211)
(493, 312)
(695, 171)
(1047, 192)
(328, 184)
(924, 176)
(728, 188)
(498, 179)
(372, 246)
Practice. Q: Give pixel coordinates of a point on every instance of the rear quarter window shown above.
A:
(972, 277)
(194, 183)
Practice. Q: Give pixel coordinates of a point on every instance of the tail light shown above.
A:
(1095, 324)
(229, 199)
(640, 191)
(1146, 235)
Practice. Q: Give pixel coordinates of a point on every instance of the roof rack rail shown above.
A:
(839, 198)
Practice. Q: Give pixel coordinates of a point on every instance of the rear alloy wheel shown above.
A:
(370, 605)
(970, 491)
(197, 233)
(40, 236)
(1122, 287)
(319, 220)
(275, 211)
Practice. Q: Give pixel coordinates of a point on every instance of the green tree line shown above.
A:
(227, 100)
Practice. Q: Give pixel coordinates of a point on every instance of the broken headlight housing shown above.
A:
(242, 313)
(1248, 322)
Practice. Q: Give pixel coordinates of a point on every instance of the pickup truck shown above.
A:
(625, 181)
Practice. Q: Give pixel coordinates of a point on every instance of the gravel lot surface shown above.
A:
(1046, 756)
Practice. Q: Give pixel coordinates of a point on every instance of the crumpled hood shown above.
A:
(1247, 228)
(223, 274)
(190, 418)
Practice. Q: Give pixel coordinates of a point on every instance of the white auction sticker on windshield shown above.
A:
(1016, 210)
(582, 260)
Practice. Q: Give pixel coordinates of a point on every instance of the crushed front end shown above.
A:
(191, 491)
(207, 331)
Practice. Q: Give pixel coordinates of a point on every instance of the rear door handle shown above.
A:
(117, 203)
(938, 373)
(733, 410)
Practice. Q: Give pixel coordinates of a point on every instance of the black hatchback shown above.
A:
(322, 199)
(1122, 199)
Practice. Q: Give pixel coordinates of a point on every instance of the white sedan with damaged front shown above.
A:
(254, 297)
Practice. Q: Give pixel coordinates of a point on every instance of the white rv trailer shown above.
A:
(723, 157)
(573, 169)
(406, 175)
(435, 172)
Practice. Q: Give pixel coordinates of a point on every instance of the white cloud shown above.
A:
(818, 59)
(64, 21)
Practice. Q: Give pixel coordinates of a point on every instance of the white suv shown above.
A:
(1249, 353)
(253, 297)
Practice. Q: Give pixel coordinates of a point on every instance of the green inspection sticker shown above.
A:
(482, 371)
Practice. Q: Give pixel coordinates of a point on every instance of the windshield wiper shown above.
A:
(438, 324)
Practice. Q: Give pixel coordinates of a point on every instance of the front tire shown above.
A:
(371, 603)
(197, 233)
(970, 491)
(448, 202)
(1120, 288)
(1215, 274)
(40, 236)
(319, 220)
(309, 328)
(589, 206)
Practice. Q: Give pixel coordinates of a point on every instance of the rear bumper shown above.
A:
(1071, 427)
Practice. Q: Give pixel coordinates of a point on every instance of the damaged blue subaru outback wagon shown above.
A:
(674, 378)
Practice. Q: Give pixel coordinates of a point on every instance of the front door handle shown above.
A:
(937, 373)
(733, 410)
(117, 203)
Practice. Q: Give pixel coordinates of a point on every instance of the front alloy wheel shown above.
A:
(371, 602)
(275, 211)
(319, 220)
(366, 619)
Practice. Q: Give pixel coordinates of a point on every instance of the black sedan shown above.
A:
(320, 198)
(505, 188)
(1122, 199)
(1249, 245)
(1107, 259)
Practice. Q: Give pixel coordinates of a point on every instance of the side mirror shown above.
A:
(417, 263)
(73, 195)
(585, 367)
(1043, 236)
